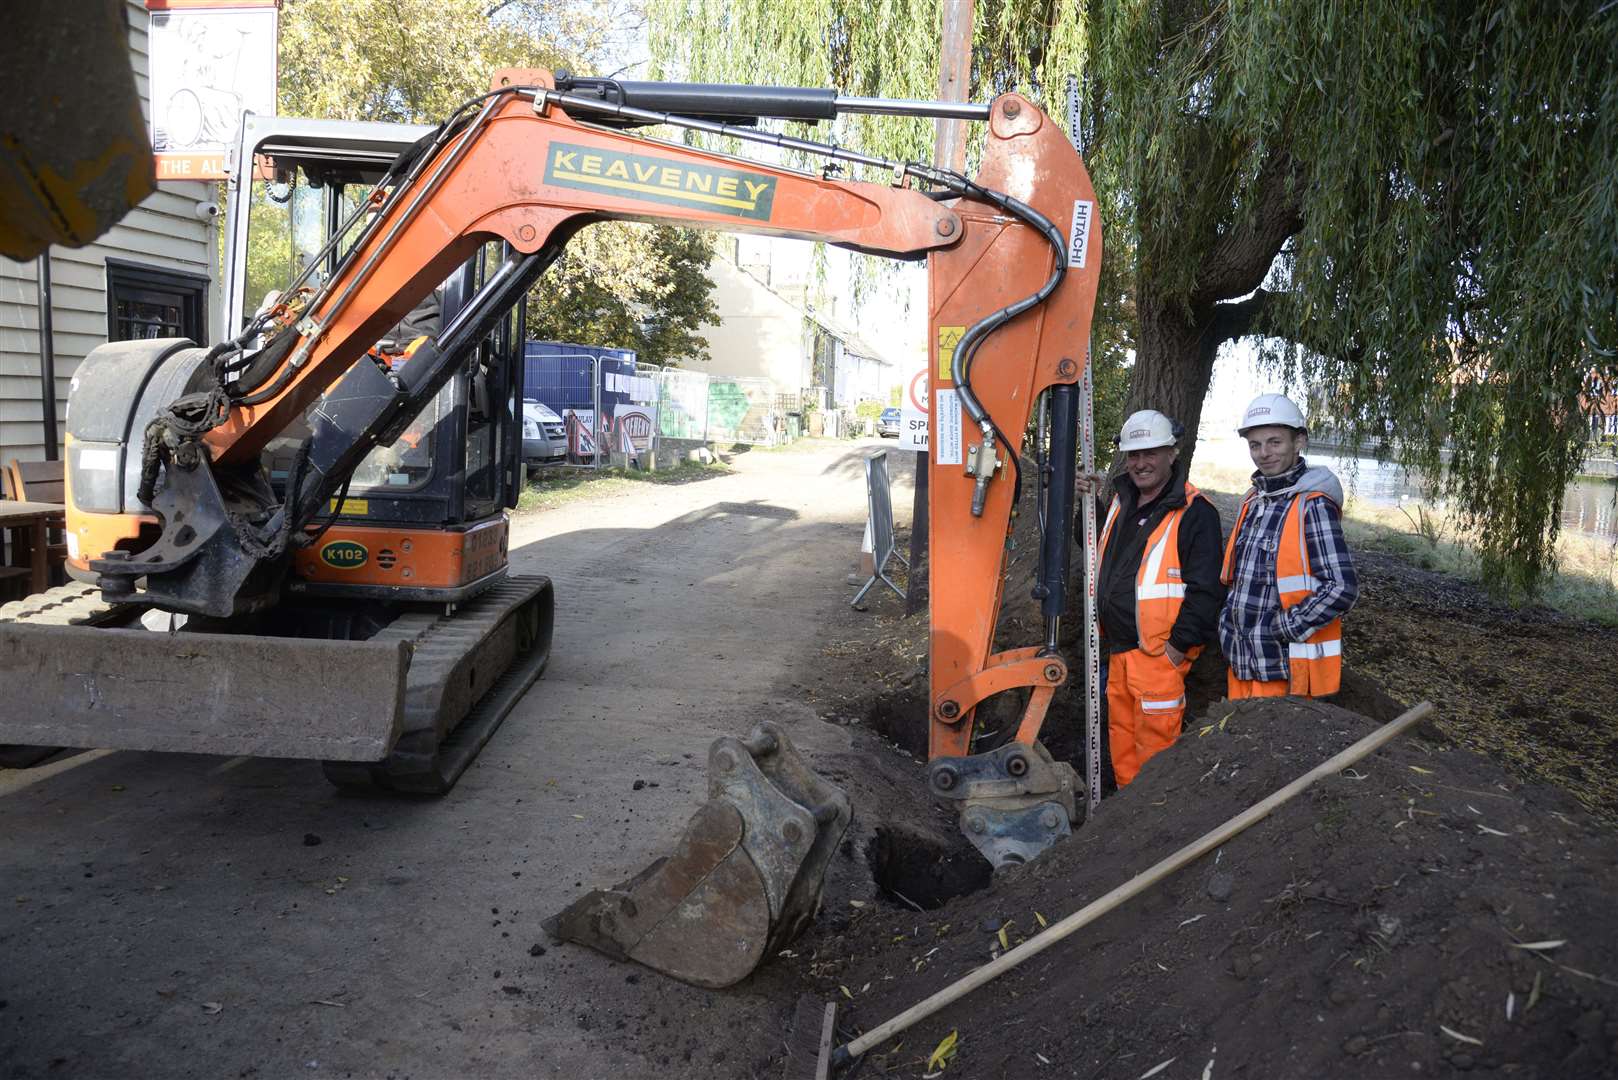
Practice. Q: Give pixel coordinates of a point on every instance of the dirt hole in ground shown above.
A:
(916, 870)
(900, 716)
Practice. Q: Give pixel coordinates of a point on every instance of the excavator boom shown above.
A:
(1013, 256)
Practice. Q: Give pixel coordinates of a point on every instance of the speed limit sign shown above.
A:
(913, 414)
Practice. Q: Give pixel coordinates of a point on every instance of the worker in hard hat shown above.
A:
(1157, 589)
(1289, 572)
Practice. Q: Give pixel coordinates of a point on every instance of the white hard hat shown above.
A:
(1267, 409)
(1147, 430)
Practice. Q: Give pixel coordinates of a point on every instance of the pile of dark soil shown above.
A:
(1377, 925)
(1416, 915)
(1529, 686)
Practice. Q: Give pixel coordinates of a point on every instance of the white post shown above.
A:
(1087, 466)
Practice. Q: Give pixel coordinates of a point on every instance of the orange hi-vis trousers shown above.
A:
(1236, 689)
(1145, 706)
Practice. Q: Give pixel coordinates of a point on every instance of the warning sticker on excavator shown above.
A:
(948, 338)
(947, 421)
(344, 555)
(351, 507)
(656, 179)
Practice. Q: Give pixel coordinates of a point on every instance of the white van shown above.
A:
(544, 438)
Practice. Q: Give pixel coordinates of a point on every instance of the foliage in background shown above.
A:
(414, 61)
(1428, 194)
(1416, 202)
(887, 49)
(649, 297)
(890, 49)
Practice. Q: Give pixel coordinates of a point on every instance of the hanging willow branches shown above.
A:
(1446, 177)
(889, 48)
(1414, 202)
(883, 48)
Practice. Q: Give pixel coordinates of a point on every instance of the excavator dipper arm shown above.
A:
(1013, 255)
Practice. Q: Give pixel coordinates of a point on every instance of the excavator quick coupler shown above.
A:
(1016, 801)
(744, 880)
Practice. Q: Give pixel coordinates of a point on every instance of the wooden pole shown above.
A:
(954, 80)
(949, 152)
(1134, 886)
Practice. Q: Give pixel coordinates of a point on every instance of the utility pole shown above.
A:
(954, 80)
(949, 152)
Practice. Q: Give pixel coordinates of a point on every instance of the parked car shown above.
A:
(888, 424)
(544, 437)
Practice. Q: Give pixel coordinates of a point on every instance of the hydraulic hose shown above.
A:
(966, 349)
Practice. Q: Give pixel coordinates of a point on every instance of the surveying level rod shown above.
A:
(1087, 466)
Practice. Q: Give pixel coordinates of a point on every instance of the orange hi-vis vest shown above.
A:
(1159, 588)
(1316, 663)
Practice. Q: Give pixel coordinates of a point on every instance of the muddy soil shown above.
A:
(1398, 918)
(1372, 927)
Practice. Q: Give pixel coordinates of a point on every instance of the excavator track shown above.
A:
(450, 709)
(405, 708)
(74, 604)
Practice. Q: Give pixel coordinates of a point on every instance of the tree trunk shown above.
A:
(1174, 360)
(1178, 341)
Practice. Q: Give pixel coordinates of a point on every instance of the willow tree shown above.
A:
(416, 61)
(1413, 205)
(1417, 201)
(885, 49)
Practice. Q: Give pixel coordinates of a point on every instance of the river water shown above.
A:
(1589, 506)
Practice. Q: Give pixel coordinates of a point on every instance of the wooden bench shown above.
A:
(34, 482)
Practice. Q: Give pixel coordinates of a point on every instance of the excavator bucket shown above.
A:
(744, 880)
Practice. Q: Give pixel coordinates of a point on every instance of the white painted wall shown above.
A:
(759, 334)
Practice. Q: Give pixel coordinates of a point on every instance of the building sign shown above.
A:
(641, 176)
(210, 61)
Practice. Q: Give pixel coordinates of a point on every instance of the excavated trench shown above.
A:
(921, 871)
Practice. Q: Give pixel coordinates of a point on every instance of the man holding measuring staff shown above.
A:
(1158, 590)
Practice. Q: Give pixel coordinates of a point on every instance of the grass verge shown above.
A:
(1583, 585)
(556, 487)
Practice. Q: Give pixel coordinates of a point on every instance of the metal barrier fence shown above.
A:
(570, 385)
(610, 405)
(724, 408)
(879, 523)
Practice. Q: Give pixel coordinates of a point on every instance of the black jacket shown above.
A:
(1201, 552)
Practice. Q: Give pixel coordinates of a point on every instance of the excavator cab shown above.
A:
(397, 603)
(459, 460)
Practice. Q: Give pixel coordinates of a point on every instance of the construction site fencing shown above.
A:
(605, 401)
(610, 405)
(698, 407)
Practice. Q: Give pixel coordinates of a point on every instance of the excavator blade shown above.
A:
(81, 686)
(406, 709)
(744, 880)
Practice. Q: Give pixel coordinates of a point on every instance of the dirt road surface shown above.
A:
(174, 915)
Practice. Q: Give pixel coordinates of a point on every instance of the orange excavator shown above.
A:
(209, 488)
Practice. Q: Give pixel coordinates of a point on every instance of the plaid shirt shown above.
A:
(1253, 630)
